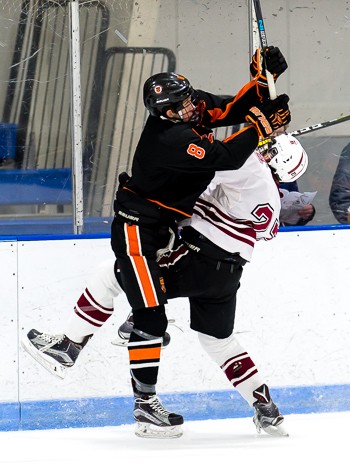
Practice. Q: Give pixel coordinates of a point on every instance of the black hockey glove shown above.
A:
(275, 62)
(270, 115)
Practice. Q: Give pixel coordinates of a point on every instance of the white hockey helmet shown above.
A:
(287, 158)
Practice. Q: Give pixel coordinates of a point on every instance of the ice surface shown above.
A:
(318, 443)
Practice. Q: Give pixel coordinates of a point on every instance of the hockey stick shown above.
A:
(319, 126)
(254, 37)
(263, 40)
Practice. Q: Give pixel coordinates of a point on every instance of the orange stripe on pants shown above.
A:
(140, 266)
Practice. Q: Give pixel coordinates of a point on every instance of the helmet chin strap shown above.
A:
(170, 119)
(165, 117)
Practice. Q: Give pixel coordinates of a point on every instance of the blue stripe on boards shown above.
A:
(10, 416)
(115, 411)
(49, 232)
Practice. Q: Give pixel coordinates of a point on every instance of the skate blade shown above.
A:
(54, 367)
(124, 342)
(272, 430)
(278, 430)
(120, 342)
(147, 430)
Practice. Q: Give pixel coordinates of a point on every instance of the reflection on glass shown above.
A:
(122, 43)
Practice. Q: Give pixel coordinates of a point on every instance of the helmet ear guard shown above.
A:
(287, 158)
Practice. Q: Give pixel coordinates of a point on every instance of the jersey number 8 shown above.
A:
(196, 151)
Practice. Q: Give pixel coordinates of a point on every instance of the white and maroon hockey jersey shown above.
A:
(239, 207)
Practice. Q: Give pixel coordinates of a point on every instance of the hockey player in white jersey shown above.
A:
(238, 208)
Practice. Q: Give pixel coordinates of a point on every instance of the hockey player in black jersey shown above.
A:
(237, 210)
(175, 159)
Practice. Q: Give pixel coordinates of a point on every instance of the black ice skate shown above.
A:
(54, 353)
(267, 416)
(153, 421)
(125, 329)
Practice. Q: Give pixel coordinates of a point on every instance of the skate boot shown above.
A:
(267, 416)
(54, 353)
(125, 329)
(153, 420)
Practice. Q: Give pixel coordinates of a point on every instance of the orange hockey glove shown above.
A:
(270, 115)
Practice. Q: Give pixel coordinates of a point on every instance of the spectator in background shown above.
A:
(339, 197)
(306, 214)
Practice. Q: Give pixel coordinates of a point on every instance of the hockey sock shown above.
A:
(235, 362)
(95, 305)
(145, 344)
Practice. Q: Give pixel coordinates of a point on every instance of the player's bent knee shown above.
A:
(151, 320)
(220, 349)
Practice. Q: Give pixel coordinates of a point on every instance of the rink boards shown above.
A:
(292, 317)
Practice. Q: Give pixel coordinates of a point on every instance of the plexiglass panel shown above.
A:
(122, 43)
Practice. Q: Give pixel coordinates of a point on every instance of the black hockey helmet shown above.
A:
(166, 90)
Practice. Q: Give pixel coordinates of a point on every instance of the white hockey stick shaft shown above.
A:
(263, 41)
(254, 32)
(319, 126)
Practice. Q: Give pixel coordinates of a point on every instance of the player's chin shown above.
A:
(194, 117)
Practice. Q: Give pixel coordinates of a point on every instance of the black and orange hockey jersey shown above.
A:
(174, 162)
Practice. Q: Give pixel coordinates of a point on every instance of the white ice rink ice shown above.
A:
(317, 444)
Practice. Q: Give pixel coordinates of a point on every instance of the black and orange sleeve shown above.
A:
(223, 111)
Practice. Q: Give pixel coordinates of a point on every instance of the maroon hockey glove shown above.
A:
(270, 115)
